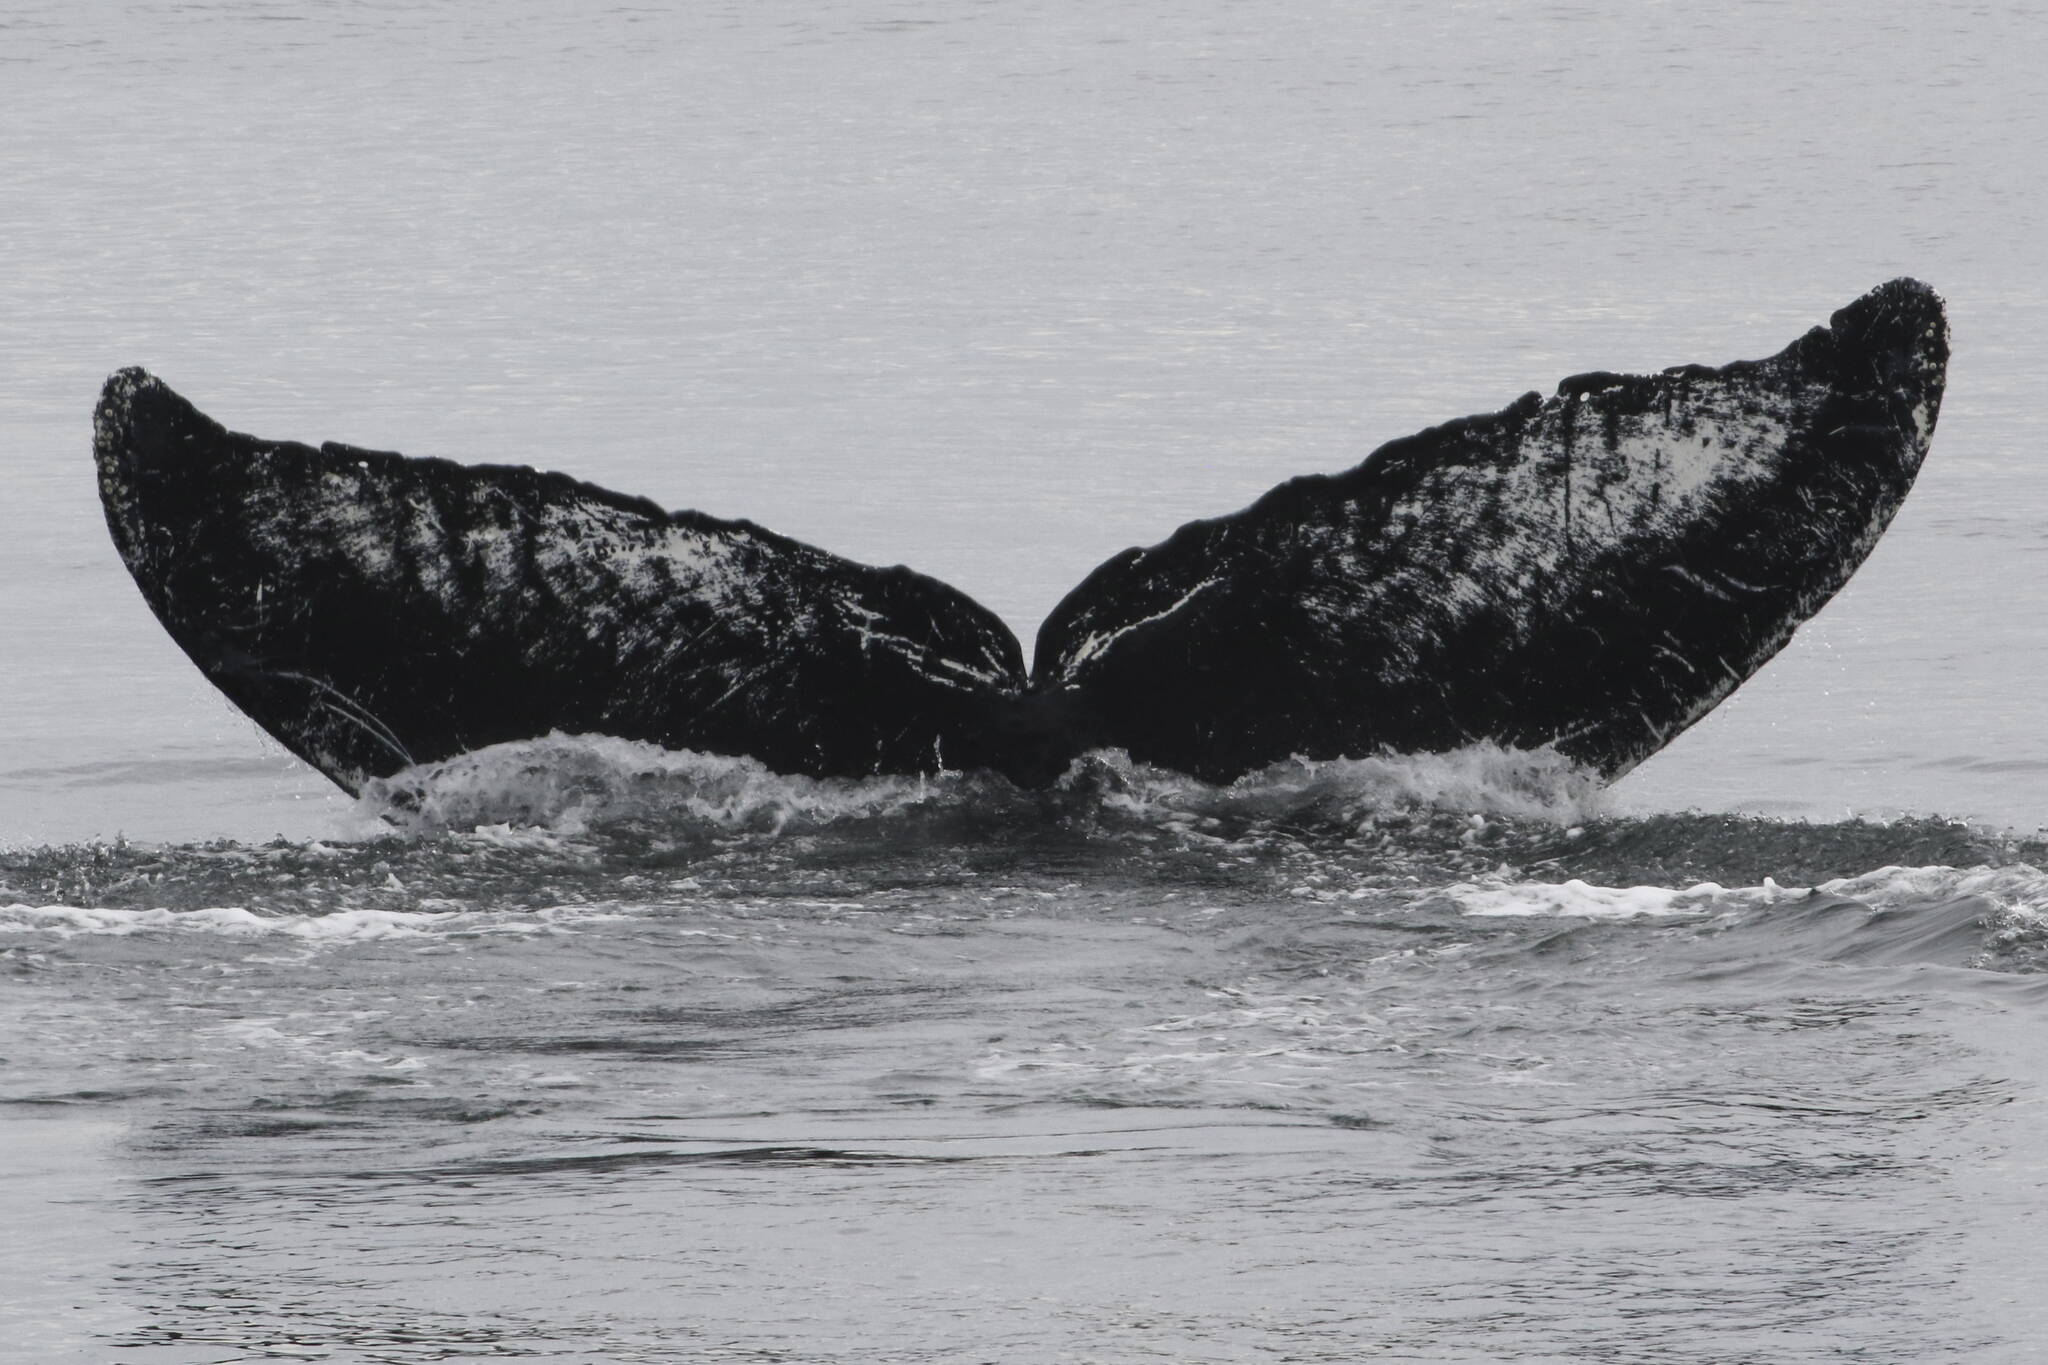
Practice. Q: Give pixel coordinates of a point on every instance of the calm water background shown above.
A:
(997, 290)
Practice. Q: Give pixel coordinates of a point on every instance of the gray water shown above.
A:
(743, 1069)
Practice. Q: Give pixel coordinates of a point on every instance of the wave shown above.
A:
(1976, 917)
(555, 835)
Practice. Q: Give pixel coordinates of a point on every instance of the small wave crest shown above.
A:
(1979, 917)
(2020, 888)
(2010, 904)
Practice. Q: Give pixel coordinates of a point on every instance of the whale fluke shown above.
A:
(372, 611)
(1593, 571)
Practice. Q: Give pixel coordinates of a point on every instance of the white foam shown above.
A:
(527, 792)
(563, 782)
(1584, 900)
(2018, 893)
(340, 926)
(1481, 779)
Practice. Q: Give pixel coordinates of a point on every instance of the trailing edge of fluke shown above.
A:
(1594, 571)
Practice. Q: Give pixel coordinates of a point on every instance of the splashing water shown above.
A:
(574, 783)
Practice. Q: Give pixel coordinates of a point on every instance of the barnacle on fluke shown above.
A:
(1594, 571)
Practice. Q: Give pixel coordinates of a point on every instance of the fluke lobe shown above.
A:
(1594, 571)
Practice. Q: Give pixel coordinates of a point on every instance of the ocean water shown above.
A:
(583, 1051)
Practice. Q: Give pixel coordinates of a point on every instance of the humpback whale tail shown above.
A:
(1593, 571)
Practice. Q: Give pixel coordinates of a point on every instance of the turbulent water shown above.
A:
(601, 1053)
(578, 1050)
